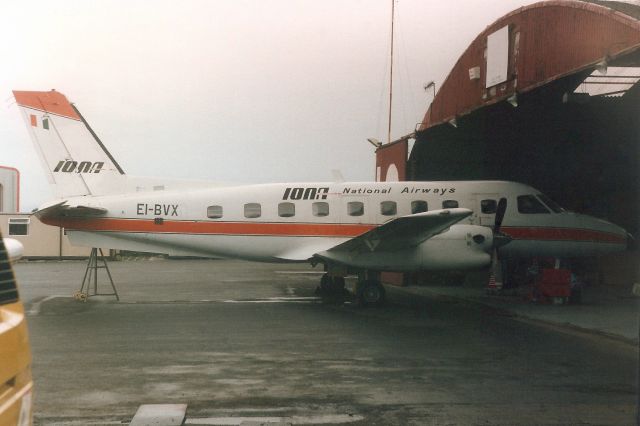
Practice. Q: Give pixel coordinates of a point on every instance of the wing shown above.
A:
(403, 232)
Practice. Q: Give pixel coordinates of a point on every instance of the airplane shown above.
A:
(360, 228)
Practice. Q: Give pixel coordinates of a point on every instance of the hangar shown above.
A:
(548, 96)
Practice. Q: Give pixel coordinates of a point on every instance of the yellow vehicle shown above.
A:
(15, 353)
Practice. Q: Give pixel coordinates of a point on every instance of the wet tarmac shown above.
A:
(246, 342)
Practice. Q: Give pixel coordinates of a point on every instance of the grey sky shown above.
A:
(246, 91)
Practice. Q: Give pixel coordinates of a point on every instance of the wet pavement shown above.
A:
(239, 340)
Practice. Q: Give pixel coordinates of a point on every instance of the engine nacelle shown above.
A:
(461, 247)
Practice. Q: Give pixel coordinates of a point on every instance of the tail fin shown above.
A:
(75, 160)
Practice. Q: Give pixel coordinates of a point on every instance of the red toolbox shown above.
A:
(553, 285)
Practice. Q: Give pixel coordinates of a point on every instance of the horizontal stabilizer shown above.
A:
(65, 209)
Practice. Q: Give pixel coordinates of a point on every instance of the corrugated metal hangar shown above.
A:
(548, 96)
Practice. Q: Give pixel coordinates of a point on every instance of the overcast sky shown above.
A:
(238, 91)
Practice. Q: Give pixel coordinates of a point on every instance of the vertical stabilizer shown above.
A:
(75, 160)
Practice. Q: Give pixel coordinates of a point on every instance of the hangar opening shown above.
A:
(547, 95)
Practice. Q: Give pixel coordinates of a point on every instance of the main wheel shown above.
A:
(371, 293)
(331, 289)
(326, 284)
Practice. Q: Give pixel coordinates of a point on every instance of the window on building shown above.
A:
(488, 206)
(355, 208)
(388, 208)
(528, 204)
(419, 206)
(286, 209)
(18, 226)
(320, 209)
(449, 204)
(214, 212)
(252, 210)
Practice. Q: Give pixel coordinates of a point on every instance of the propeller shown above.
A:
(499, 240)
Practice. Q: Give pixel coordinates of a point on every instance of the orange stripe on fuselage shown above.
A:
(303, 229)
(210, 228)
(562, 234)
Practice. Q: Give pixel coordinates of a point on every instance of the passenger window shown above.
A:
(528, 204)
(252, 210)
(449, 204)
(286, 209)
(355, 208)
(214, 212)
(488, 206)
(320, 209)
(419, 206)
(388, 208)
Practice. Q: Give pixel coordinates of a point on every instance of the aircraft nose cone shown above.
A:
(612, 233)
(631, 242)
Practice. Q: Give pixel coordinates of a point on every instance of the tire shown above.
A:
(325, 284)
(371, 293)
(338, 284)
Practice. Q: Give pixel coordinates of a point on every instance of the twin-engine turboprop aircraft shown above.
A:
(361, 227)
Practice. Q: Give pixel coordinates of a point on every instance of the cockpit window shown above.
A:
(528, 204)
(550, 203)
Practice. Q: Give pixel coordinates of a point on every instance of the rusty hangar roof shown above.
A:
(535, 45)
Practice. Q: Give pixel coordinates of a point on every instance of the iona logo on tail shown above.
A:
(70, 166)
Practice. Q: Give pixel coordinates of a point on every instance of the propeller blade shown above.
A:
(500, 211)
(501, 239)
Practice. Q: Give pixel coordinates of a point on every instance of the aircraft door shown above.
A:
(484, 209)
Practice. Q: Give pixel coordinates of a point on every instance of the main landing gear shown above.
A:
(368, 292)
(332, 289)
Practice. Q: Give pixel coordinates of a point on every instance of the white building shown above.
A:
(9, 190)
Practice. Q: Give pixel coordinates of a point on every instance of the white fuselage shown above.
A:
(291, 222)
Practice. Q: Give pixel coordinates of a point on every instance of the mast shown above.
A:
(391, 72)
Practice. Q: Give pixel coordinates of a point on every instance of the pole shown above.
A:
(391, 72)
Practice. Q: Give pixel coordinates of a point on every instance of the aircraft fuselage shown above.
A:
(290, 222)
